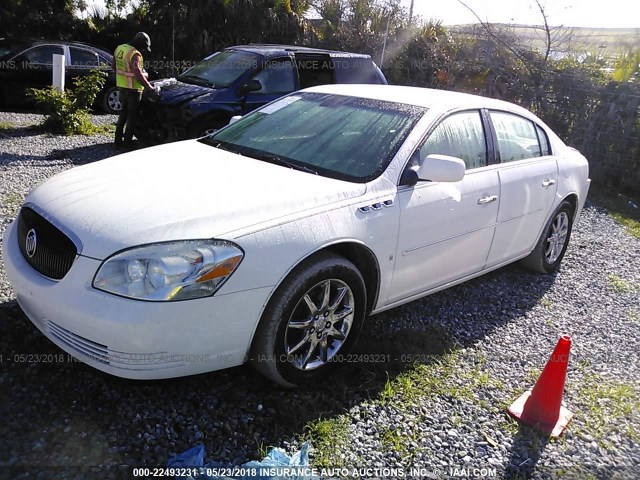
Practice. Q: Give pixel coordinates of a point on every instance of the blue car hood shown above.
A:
(180, 92)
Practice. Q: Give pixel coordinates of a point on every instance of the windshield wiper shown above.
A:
(228, 147)
(269, 157)
(197, 80)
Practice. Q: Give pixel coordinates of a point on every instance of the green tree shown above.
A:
(37, 18)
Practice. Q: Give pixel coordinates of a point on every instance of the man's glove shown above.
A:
(153, 95)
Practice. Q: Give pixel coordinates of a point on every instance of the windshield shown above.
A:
(222, 69)
(342, 137)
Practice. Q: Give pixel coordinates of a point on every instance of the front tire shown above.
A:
(207, 126)
(552, 245)
(313, 319)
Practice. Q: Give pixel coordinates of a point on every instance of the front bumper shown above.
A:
(131, 338)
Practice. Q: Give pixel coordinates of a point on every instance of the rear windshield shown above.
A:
(347, 138)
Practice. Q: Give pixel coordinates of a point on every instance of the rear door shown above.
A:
(315, 69)
(82, 61)
(528, 183)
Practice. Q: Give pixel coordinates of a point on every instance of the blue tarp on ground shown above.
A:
(276, 458)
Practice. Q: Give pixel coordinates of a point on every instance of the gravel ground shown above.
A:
(489, 337)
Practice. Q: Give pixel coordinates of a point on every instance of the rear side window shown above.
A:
(544, 141)
(315, 70)
(83, 58)
(517, 137)
(460, 135)
(355, 70)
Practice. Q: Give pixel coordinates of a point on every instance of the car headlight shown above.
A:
(169, 271)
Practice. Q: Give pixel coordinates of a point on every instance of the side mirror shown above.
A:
(250, 86)
(441, 168)
(234, 119)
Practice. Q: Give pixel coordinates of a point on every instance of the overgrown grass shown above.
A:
(7, 127)
(607, 407)
(393, 439)
(620, 207)
(329, 438)
(546, 303)
(438, 376)
(11, 201)
(619, 284)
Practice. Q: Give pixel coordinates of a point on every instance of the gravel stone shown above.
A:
(503, 325)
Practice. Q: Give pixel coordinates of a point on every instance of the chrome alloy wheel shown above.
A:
(319, 324)
(557, 237)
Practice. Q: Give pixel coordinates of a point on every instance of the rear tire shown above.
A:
(552, 245)
(313, 319)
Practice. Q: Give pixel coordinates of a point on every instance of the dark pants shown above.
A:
(130, 100)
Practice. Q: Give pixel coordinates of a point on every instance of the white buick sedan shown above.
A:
(272, 240)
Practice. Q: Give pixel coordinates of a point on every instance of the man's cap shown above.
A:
(142, 40)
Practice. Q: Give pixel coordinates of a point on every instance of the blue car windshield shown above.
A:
(348, 138)
(222, 69)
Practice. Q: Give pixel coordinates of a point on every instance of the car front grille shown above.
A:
(48, 250)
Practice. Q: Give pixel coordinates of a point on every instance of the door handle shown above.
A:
(548, 183)
(487, 199)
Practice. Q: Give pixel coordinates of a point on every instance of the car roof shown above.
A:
(422, 97)
(268, 50)
(24, 44)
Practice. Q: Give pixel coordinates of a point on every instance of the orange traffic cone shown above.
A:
(542, 407)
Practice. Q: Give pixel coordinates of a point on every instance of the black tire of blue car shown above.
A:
(111, 101)
(320, 305)
(552, 245)
(207, 126)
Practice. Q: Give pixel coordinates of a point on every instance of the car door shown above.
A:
(446, 229)
(277, 79)
(37, 66)
(315, 69)
(528, 183)
(82, 61)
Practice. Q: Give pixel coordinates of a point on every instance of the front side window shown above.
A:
(347, 138)
(43, 55)
(517, 137)
(277, 77)
(460, 135)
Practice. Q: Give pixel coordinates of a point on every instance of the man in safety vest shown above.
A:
(131, 80)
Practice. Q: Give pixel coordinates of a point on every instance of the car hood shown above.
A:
(180, 92)
(184, 190)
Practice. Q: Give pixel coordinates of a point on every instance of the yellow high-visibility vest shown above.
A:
(125, 78)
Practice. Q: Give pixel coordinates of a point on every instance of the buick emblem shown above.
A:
(31, 243)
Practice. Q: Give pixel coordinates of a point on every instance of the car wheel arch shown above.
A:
(356, 252)
(215, 117)
(572, 198)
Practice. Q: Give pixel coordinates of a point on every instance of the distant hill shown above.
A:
(604, 42)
